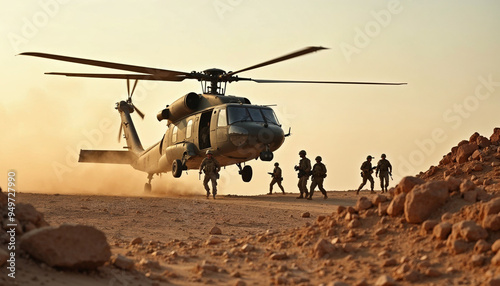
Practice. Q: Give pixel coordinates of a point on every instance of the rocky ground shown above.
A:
(441, 227)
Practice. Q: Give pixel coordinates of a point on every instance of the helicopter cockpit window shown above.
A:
(256, 115)
(174, 134)
(238, 114)
(270, 116)
(242, 114)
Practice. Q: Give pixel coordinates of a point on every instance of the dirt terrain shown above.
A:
(178, 225)
(441, 227)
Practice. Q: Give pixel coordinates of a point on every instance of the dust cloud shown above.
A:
(45, 135)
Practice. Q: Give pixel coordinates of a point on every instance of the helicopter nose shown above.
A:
(271, 136)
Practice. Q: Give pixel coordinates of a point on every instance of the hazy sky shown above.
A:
(447, 51)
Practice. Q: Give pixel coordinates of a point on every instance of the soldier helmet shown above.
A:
(276, 164)
(209, 152)
(369, 157)
(302, 152)
(318, 158)
(383, 156)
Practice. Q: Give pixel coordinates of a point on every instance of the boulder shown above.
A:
(491, 207)
(122, 262)
(322, 248)
(464, 151)
(453, 183)
(378, 199)
(473, 137)
(468, 230)
(26, 214)
(215, 230)
(442, 230)
(491, 222)
(483, 142)
(495, 137)
(396, 207)
(424, 200)
(363, 203)
(75, 247)
(407, 183)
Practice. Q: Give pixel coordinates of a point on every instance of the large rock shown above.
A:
(68, 246)
(396, 207)
(363, 203)
(468, 230)
(442, 230)
(464, 151)
(490, 208)
(483, 142)
(407, 183)
(495, 137)
(26, 214)
(425, 199)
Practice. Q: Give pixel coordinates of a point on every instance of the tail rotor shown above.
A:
(131, 105)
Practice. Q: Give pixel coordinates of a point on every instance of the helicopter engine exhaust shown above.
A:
(180, 108)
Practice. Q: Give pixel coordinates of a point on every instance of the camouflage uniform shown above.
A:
(367, 169)
(276, 179)
(304, 173)
(384, 167)
(318, 176)
(211, 168)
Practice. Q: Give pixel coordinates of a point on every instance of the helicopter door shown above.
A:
(204, 130)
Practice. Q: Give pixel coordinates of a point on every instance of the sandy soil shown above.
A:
(264, 241)
(171, 222)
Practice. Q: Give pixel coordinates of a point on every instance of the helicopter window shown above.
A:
(174, 134)
(189, 128)
(222, 121)
(256, 115)
(238, 114)
(270, 116)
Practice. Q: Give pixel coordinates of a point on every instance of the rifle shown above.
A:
(390, 174)
(272, 174)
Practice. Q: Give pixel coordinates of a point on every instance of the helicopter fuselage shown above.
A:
(229, 126)
(233, 140)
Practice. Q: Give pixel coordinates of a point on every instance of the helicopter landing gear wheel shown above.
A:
(177, 168)
(246, 174)
(147, 188)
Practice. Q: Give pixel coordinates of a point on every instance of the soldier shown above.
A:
(318, 175)
(211, 168)
(304, 169)
(276, 174)
(385, 168)
(366, 173)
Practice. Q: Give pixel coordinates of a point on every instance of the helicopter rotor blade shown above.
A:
(280, 59)
(327, 82)
(128, 88)
(120, 132)
(122, 76)
(133, 88)
(140, 113)
(132, 68)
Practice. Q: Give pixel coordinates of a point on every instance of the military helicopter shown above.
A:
(235, 130)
